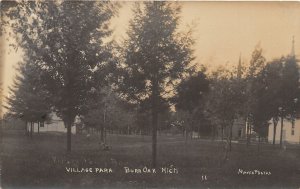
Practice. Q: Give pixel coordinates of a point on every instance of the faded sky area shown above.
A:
(222, 31)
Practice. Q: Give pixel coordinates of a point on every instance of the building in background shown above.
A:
(238, 130)
(290, 132)
(55, 124)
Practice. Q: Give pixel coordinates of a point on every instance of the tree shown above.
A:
(225, 100)
(144, 114)
(271, 97)
(281, 83)
(260, 106)
(289, 90)
(191, 91)
(30, 99)
(66, 40)
(155, 55)
(257, 64)
(190, 96)
(104, 110)
(5, 6)
(93, 111)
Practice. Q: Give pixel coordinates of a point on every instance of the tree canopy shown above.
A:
(155, 55)
(29, 100)
(65, 40)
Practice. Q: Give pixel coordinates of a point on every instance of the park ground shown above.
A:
(41, 163)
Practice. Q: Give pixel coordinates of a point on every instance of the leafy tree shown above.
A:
(5, 7)
(190, 92)
(144, 114)
(271, 97)
(156, 55)
(66, 39)
(213, 99)
(225, 100)
(252, 88)
(260, 107)
(279, 99)
(122, 115)
(181, 120)
(30, 99)
(104, 110)
(289, 90)
(190, 96)
(93, 111)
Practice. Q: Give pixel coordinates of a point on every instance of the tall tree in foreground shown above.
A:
(156, 55)
(66, 40)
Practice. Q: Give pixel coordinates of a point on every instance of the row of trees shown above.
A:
(70, 68)
(256, 92)
(65, 42)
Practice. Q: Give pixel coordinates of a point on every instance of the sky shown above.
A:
(222, 30)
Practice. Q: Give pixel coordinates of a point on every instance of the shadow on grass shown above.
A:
(41, 162)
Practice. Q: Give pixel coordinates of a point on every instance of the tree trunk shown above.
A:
(230, 137)
(186, 134)
(105, 136)
(247, 134)
(226, 147)
(222, 132)
(212, 133)
(258, 146)
(26, 128)
(31, 128)
(191, 126)
(69, 135)
(274, 131)
(281, 129)
(102, 134)
(154, 122)
(154, 138)
(38, 127)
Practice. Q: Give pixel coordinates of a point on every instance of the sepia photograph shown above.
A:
(149, 94)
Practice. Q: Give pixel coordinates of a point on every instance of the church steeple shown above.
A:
(239, 68)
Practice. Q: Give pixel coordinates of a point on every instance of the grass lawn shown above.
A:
(41, 163)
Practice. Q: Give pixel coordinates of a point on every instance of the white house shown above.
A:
(56, 124)
(290, 132)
